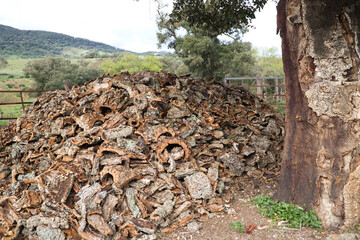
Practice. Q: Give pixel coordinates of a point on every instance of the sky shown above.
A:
(125, 24)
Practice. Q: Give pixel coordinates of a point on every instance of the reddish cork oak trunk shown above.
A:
(320, 167)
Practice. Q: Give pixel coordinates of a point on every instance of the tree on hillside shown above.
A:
(172, 63)
(52, 73)
(321, 159)
(195, 30)
(3, 63)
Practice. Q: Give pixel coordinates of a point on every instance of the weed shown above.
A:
(357, 226)
(10, 85)
(294, 215)
(237, 226)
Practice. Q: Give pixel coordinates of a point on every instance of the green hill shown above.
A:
(15, 43)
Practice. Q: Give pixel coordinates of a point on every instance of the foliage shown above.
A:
(294, 215)
(237, 59)
(132, 63)
(213, 59)
(269, 63)
(198, 42)
(237, 226)
(37, 44)
(15, 67)
(51, 73)
(357, 226)
(216, 17)
(172, 63)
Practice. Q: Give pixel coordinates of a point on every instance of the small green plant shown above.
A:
(237, 226)
(294, 215)
(10, 85)
(357, 227)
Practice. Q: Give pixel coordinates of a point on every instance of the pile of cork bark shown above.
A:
(127, 155)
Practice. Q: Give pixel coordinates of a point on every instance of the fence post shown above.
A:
(226, 81)
(277, 89)
(22, 101)
(259, 90)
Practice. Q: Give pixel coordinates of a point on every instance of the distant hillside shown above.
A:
(36, 44)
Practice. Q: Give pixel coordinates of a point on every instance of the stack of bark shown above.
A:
(127, 155)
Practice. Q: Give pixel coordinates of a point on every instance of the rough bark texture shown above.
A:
(321, 160)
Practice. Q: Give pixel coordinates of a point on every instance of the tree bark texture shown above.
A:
(321, 158)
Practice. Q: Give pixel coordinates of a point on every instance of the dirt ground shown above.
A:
(217, 226)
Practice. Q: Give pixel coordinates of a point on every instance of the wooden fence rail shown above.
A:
(22, 102)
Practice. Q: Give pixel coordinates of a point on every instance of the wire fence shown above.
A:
(270, 89)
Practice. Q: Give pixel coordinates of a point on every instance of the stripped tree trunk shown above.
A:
(321, 159)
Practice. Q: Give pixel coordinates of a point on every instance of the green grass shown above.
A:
(295, 216)
(10, 111)
(13, 80)
(278, 106)
(4, 122)
(13, 83)
(15, 66)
